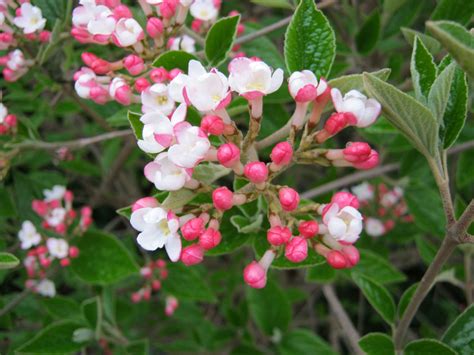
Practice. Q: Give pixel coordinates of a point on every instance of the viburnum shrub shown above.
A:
(280, 184)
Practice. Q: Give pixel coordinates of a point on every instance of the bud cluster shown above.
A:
(19, 24)
(8, 121)
(153, 274)
(61, 219)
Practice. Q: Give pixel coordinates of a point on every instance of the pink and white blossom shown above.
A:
(204, 10)
(46, 288)
(364, 192)
(304, 86)
(128, 32)
(182, 43)
(56, 216)
(191, 148)
(343, 224)
(158, 228)
(31, 19)
(374, 227)
(28, 235)
(166, 175)
(157, 98)
(364, 110)
(57, 248)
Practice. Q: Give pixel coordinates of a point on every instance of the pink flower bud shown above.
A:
(44, 36)
(308, 229)
(282, 153)
(3, 129)
(86, 211)
(174, 73)
(159, 75)
(192, 255)
(145, 202)
(41, 250)
(296, 250)
(240, 29)
(228, 155)
(338, 121)
(134, 64)
(344, 199)
(156, 285)
(222, 198)
(68, 196)
(256, 172)
(146, 294)
(196, 25)
(99, 95)
(255, 275)
(45, 262)
(336, 259)
(278, 235)
(213, 125)
(65, 262)
(146, 272)
(141, 85)
(60, 228)
(371, 162)
(98, 65)
(352, 255)
(160, 263)
(357, 152)
(289, 198)
(168, 8)
(210, 238)
(154, 27)
(40, 207)
(73, 252)
(122, 11)
(136, 297)
(193, 228)
(123, 95)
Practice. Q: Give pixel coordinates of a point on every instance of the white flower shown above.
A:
(3, 112)
(184, 43)
(159, 131)
(57, 248)
(166, 175)
(191, 148)
(204, 10)
(364, 191)
(28, 235)
(127, 32)
(56, 193)
(374, 227)
(31, 19)
(157, 228)
(304, 86)
(16, 60)
(46, 288)
(116, 84)
(343, 224)
(365, 110)
(56, 217)
(99, 19)
(205, 91)
(389, 199)
(157, 98)
(86, 80)
(253, 79)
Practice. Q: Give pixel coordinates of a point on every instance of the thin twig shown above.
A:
(73, 144)
(349, 331)
(14, 302)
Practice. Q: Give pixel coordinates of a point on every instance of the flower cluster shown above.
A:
(8, 121)
(58, 219)
(153, 274)
(296, 227)
(383, 207)
(19, 24)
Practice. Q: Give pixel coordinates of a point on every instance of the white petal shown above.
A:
(173, 247)
(277, 80)
(137, 219)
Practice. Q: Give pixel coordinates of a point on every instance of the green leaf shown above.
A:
(429, 215)
(430, 43)
(377, 344)
(282, 4)
(303, 341)
(413, 119)
(405, 13)
(428, 347)
(273, 318)
(56, 338)
(186, 283)
(174, 59)
(460, 333)
(245, 225)
(457, 40)
(92, 312)
(425, 248)
(62, 307)
(8, 261)
(349, 82)
(310, 43)
(140, 347)
(322, 273)
(377, 295)
(405, 299)
(208, 173)
(102, 259)
(439, 94)
(368, 36)
(220, 39)
(455, 10)
(379, 269)
(136, 124)
(456, 109)
(465, 170)
(423, 70)
(7, 208)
